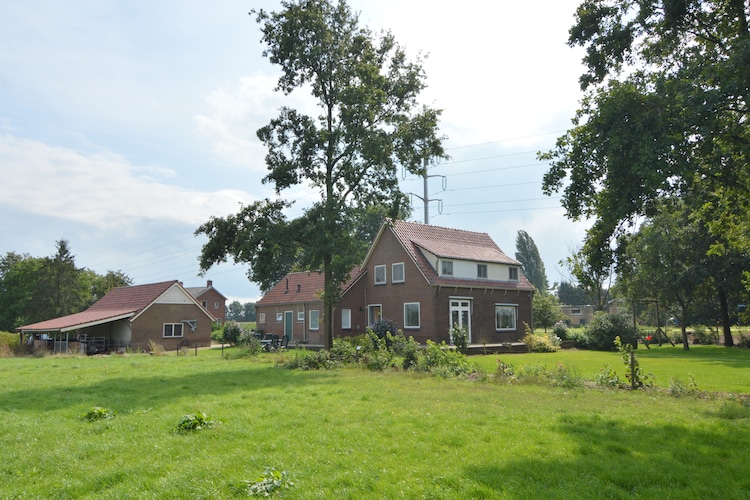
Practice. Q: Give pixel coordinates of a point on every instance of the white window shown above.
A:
(513, 273)
(575, 312)
(346, 319)
(446, 267)
(314, 319)
(172, 330)
(279, 317)
(374, 313)
(481, 270)
(380, 275)
(216, 305)
(301, 316)
(411, 315)
(205, 304)
(262, 318)
(505, 316)
(397, 272)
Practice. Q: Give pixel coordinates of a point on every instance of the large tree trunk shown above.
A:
(327, 303)
(723, 304)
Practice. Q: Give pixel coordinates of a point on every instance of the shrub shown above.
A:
(560, 330)
(608, 378)
(232, 332)
(197, 422)
(678, 388)
(604, 328)
(155, 349)
(459, 336)
(632, 368)
(248, 342)
(383, 326)
(541, 343)
(443, 361)
(705, 335)
(311, 360)
(9, 344)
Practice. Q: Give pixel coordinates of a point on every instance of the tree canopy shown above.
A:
(665, 113)
(369, 123)
(531, 262)
(35, 289)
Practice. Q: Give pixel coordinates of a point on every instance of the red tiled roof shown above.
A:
(119, 303)
(453, 244)
(297, 288)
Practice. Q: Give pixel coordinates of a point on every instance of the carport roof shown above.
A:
(119, 303)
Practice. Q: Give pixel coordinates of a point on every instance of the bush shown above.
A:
(459, 336)
(541, 343)
(232, 332)
(443, 361)
(604, 328)
(560, 329)
(9, 344)
(705, 335)
(311, 360)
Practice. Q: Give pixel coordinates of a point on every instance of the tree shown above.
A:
(61, 291)
(668, 260)
(19, 275)
(665, 114)
(531, 262)
(593, 278)
(568, 293)
(369, 122)
(235, 311)
(545, 310)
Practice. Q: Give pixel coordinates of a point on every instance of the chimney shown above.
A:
(209, 283)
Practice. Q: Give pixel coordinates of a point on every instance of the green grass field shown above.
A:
(355, 434)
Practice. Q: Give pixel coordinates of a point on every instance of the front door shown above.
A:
(288, 324)
(461, 315)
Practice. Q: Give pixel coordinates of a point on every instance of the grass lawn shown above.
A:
(355, 434)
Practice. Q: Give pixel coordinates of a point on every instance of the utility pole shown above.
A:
(425, 198)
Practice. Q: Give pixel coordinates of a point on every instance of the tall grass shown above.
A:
(354, 433)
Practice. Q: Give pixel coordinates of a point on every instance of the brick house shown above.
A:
(294, 307)
(129, 317)
(424, 278)
(210, 298)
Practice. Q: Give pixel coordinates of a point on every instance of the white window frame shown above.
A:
(513, 273)
(370, 309)
(394, 273)
(576, 312)
(346, 319)
(300, 316)
(216, 305)
(172, 328)
(314, 319)
(279, 317)
(408, 326)
(480, 268)
(261, 317)
(379, 280)
(514, 309)
(446, 268)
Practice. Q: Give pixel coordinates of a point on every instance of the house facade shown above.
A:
(582, 315)
(428, 278)
(130, 317)
(211, 299)
(423, 278)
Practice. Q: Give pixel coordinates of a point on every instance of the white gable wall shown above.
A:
(175, 295)
(467, 269)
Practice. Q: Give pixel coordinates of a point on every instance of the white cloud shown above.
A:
(101, 189)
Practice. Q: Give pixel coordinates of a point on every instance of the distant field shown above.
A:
(355, 434)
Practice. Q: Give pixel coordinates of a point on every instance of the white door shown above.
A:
(461, 315)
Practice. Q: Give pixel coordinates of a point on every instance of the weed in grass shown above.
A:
(678, 388)
(197, 422)
(97, 413)
(734, 409)
(608, 378)
(271, 482)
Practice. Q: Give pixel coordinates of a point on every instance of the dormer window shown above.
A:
(481, 270)
(446, 267)
(513, 273)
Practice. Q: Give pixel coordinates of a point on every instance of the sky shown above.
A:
(124, 126)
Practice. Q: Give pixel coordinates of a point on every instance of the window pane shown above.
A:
(411, 315)
(346, 319)
(482, 270)
(167, 330)
(447, 267)
(314, 319)
(397, 272)
(379, 275)
(505, 317)
(178, 330)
